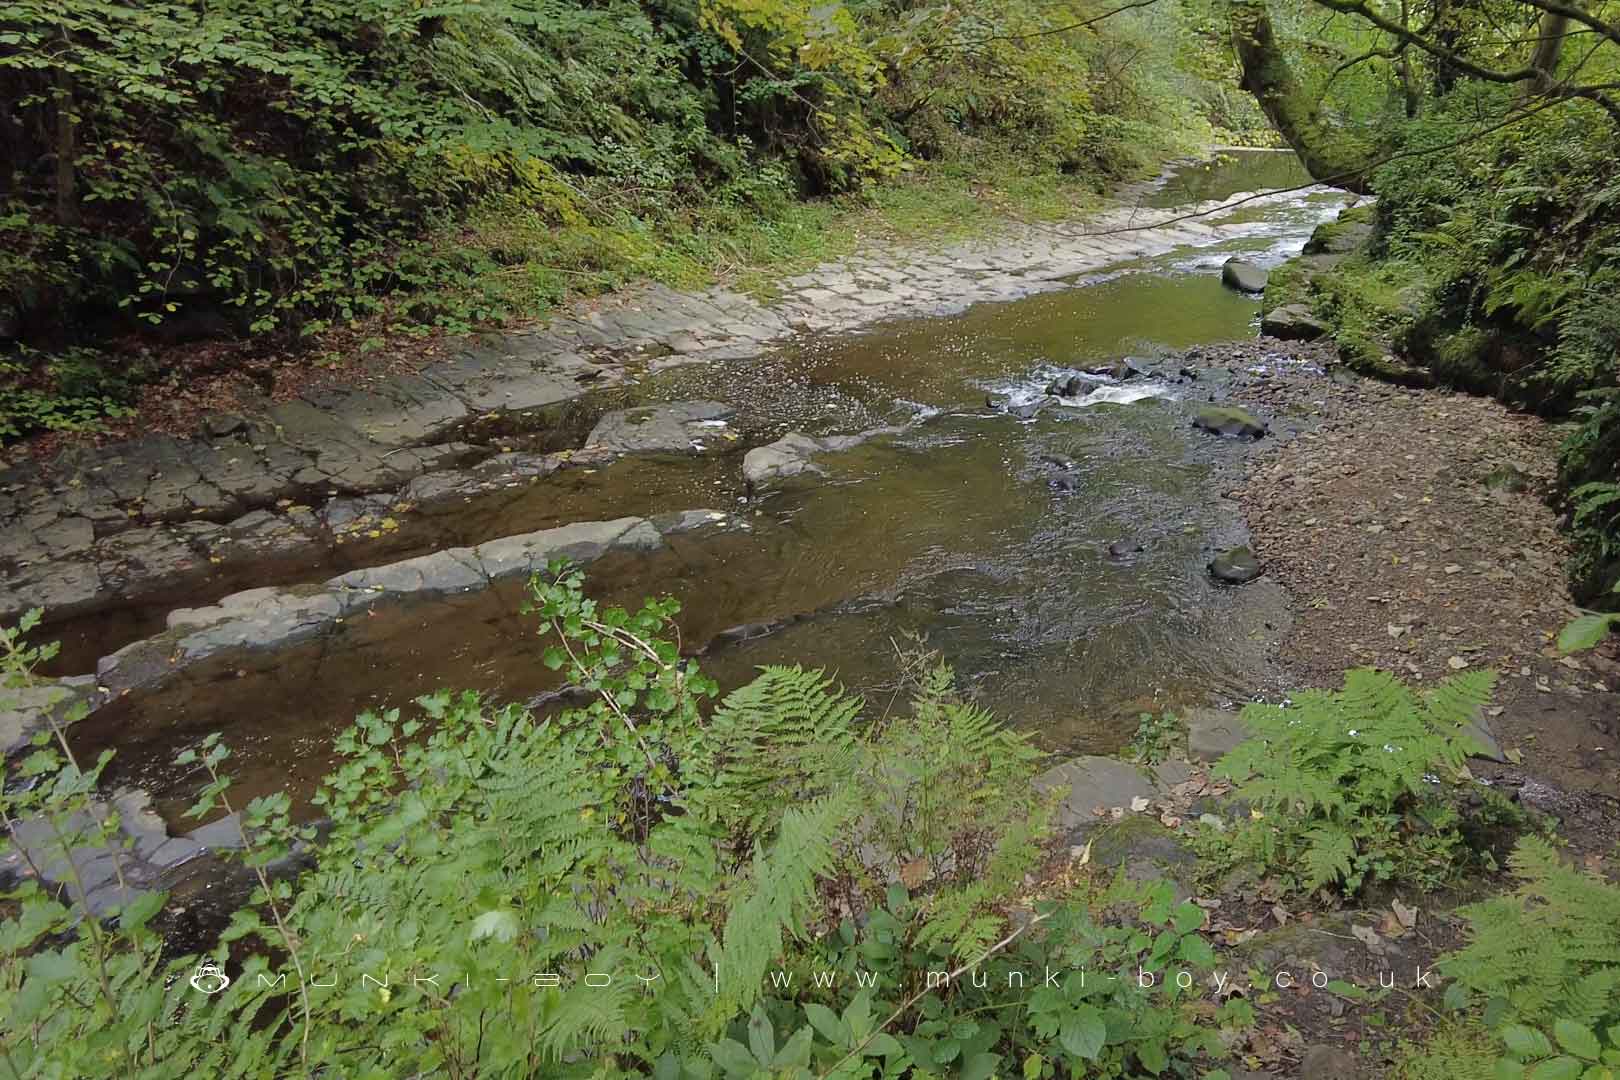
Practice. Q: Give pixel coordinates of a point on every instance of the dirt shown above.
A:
(1413, 531)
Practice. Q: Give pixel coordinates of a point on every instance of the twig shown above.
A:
(914, 998)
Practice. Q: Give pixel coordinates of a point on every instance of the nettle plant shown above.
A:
(1353, 787)
(616, 888)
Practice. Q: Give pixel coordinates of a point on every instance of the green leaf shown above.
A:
(502, 925)
(1585, 631)
(761, 1037)
(1525, 1043)
(1082, 1033)
(1558, 1068)
(1576, 1039)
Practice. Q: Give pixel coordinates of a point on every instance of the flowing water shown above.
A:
(951, 532)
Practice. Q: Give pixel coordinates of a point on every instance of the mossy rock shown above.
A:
(1352, 231)
(1229, 421)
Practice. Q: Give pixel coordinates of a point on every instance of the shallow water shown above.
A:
(950, 532)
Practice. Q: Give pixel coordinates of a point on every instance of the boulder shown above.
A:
(772, 465)
(1244, 276)
(1069, 386)
(1229, 421)
(1292, 322)
(1235, 566)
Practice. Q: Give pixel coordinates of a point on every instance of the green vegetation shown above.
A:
(1487, 134)
(1357, 787)
(186, 171)
(767, 882)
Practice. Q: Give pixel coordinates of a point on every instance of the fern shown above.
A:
(1549, 950)
(776, 740)
(1338, 776)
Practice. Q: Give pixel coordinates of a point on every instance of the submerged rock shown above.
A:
(1124, 549)
(1244, 276)
(1292, 322)
(1091, 782)
(1235, 566)
(681, 427)
(1229, 421)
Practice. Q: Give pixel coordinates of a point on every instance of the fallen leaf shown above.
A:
(1368, 937)
(1140, 803)
(1407, 915)
(915, 872)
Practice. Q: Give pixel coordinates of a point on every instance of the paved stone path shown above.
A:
(111, 525)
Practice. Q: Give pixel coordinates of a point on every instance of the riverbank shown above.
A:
(330, 476)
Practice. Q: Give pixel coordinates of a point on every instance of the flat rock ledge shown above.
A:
(274, 618)
(95, 525)
(1091, 784)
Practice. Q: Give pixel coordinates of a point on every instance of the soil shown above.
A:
(1412, 530)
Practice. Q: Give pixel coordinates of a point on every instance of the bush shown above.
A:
(1350, 789)
(644, 884)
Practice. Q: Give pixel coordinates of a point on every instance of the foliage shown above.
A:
(643, 883)
(1348, 787)
(1545, 960)
(1156, 737)
(186, 170)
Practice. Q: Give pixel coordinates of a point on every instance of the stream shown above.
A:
(958, 531)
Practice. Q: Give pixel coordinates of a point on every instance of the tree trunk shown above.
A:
(1329, 154)
(67, 197)
(1552, 30)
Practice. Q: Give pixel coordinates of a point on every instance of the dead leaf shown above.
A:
(916, 871)
(1280, 913)
(1140, 803)
(1406, 915)
(1368, 937)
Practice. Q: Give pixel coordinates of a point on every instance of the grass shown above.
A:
(528, 264)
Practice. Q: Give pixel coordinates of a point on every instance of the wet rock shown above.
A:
(1229, 421)
(1236, 566)
(1070, 386)
(1088, 783)
(1292, 322)
(997, 402)
(1124, 549)
(1213, 733)
(61, 588)
(10, 322)
(1121, 370)
(771, 466)
(266, 534)
(1065, 482)
(25, 710)
(264, 618)
(1058, 461)
(1244, 276)
(682, 427)
(439, 574)
(140, 857)
(1328, 1063)
(1029, 410)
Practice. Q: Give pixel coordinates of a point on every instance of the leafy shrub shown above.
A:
(615, 889)
(1545, 961)
(1349, 788)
